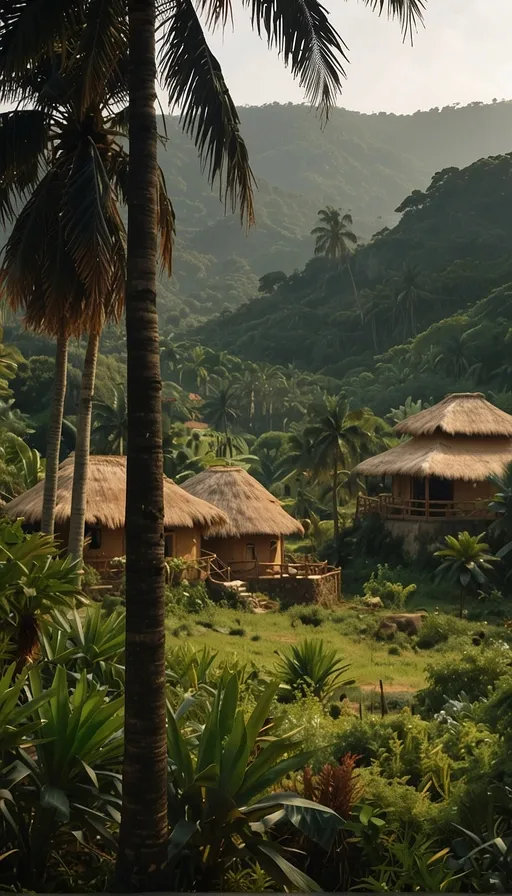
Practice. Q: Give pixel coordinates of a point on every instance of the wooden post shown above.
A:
(360, 709)
(383, 705)
(427, 496)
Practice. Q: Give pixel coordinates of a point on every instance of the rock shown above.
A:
(386, 630)
(373, 603)
(410, 623)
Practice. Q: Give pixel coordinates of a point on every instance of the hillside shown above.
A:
(449, 251)
(367, 163)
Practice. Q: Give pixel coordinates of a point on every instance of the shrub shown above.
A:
(438, 628)
(384, 584)
(476, 672)
(238, 632)
(188, 598)
(307, 615)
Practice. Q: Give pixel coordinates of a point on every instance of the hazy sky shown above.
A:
(462, 54)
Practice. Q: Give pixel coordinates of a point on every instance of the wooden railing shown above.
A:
(388, 507)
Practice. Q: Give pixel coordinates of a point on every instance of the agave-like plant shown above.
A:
(220, 800)
(34, 581)
(69, 784)
(311, 668)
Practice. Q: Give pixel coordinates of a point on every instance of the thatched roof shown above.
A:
(106, 493)
(466, 414)
(250, 508)
(449, 458)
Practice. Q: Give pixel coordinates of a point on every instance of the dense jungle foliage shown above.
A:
(365, 163)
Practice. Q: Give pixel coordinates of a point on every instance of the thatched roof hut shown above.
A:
(250, 508)
(470, 460)
(463, 413)
(106, 496)
(464, 437)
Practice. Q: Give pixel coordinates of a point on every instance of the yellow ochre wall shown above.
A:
(472, 491)
(401, 488)
(186, 543)
(232, 550)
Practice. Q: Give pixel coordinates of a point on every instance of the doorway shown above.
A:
(419, 496)
(440, 495)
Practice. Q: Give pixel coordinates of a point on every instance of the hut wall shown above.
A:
(112, 544)
(472, 491)
(267, 548)
(401, 488)
(187, 544)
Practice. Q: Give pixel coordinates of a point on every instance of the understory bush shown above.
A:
(476, 672)
(385, 584)
(438, 628)
(188, 597)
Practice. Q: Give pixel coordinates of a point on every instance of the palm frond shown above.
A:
(193, 78)
(86, 196)
(23, 140)
(408, 12)
(301, 32)
(28, 30)
(101, 46)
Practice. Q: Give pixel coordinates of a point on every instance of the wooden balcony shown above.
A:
(390, 508)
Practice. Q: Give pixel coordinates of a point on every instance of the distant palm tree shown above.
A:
(111, 423)
(337, 437)
(407, 298)
(221, 410)
(336, 240)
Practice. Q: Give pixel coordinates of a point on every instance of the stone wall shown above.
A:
(321, 590)
(430, 533)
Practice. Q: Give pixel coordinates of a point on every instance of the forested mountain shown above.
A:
(366, 163)
(444, 259)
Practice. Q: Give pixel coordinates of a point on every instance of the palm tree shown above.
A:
(466, 559)
(65, 259)
(221, 410)
(193, 80)
(408, 296)
(335, 239)
(111, 423)
(338, 436)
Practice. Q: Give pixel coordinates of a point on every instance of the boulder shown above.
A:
(372, 603)
(386, 630)
(410, 623)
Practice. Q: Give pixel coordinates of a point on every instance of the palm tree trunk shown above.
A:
(335, 499)
(54, 436)
(144, 831)
(82, 448)
(356, 294)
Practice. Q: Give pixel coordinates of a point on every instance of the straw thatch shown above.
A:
(250, 508)
(465, 414)
(470, 459)
(106, 494)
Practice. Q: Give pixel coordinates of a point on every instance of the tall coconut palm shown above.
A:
(335, 239)
(65, 260)
(338, 436)
(193, 79)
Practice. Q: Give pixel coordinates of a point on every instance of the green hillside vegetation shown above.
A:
(366, 163)
(423, 286)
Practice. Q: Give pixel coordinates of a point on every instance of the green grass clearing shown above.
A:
(255, 638)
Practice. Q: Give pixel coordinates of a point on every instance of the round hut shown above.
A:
(185, 520)
(441, 471)
(256, 523)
